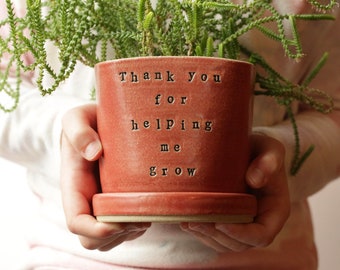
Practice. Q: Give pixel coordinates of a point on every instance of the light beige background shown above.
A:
(16, 206)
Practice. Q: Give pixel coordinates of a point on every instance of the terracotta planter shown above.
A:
(175, 132)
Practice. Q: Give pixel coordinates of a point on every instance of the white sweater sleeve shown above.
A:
(30, 136)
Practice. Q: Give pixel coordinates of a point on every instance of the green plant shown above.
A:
(91, 31)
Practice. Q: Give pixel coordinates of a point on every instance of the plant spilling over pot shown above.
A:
(93, 31)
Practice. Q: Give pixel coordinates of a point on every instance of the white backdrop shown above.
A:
(16, 205)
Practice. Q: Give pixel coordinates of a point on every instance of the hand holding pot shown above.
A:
(267, 178)
(80, 150)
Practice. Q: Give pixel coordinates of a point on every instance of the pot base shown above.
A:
(178, 219)
(175, 207)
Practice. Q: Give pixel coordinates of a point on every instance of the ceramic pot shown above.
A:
(175, 133)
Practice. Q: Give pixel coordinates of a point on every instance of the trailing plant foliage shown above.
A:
(91, 31)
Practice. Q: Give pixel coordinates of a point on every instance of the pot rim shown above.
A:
(183, 57)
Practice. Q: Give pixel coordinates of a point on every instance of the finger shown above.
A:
(80, 221)
(96, 243)
(261, 233)
(253, 235)
(211, 232)
(79, 127)
(270, 155)
(110, 242)
(273, 211)
(129, 236)
(87, 226)
(267, 176)
(208, 241)
(106, 234)
(78, 185)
